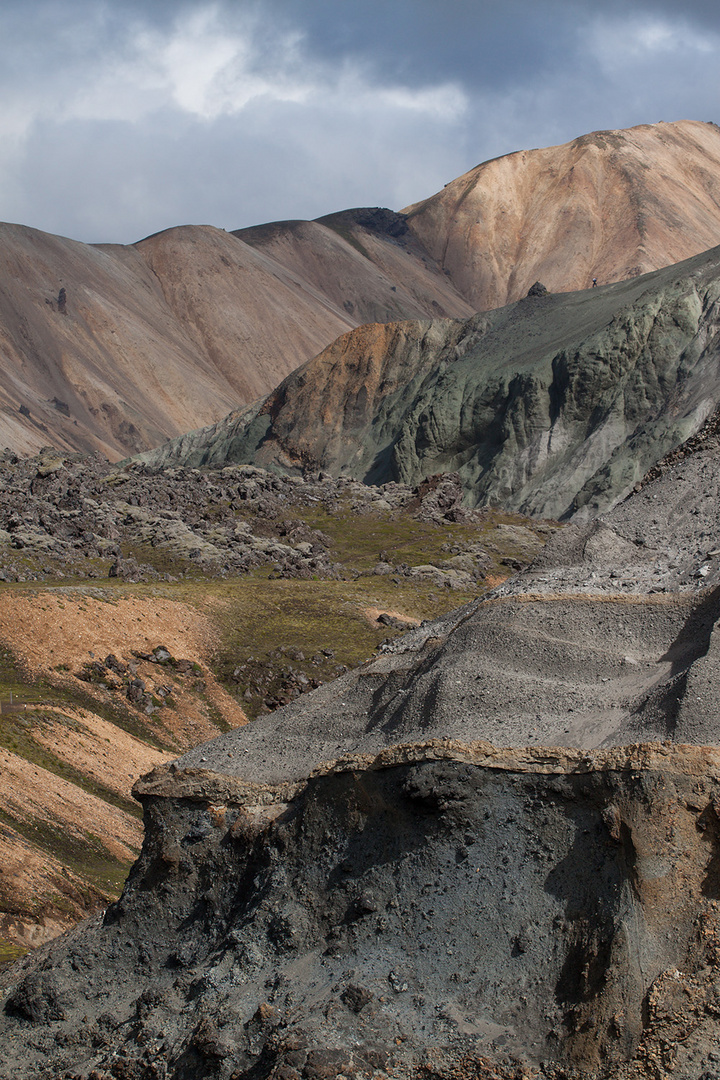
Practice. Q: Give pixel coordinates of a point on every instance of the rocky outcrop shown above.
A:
(607, 206)
(82, 517)
(554, 406)
(443, 907)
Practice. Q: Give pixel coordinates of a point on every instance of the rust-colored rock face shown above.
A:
(610, 205)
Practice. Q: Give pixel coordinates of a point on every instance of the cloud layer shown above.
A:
(122, 119)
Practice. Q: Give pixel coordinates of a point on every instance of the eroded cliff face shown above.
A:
(442, 907)
(553, 406)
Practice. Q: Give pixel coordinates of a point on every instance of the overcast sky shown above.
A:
(125, 117)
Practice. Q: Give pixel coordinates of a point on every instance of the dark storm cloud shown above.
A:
(482, 42)
(123, 118)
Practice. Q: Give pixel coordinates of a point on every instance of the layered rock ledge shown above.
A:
(440, 909)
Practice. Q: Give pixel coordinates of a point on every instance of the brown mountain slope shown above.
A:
(168, 334)
(107, 374)
(253, 319)
(609, 205)
(366, 262)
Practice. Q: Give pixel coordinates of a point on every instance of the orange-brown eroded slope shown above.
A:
(67, 833)
(67, 628)
(62, 850)
(57, 634)
(320, 409)
(610, 205)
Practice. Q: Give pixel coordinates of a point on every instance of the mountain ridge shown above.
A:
(230, 314)
(632, 201)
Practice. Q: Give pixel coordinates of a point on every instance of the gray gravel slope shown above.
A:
(608, 638)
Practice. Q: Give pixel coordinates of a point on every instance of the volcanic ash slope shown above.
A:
(359, 885)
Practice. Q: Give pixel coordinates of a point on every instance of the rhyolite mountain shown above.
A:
(552, 406)
(156, 337)
(159, 337)
(490, 852)
(609, 205)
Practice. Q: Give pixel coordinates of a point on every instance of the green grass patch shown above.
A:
(264, 625)
(161, 559)
(16, 735)
(84, 854)
(10, 952)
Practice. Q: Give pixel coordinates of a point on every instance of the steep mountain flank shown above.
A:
(555, 405)
(107, 369)
(366, 262)
(375, 881)
(609, 205)
(115, 348)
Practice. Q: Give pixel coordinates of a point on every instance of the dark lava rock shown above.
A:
(524, 951)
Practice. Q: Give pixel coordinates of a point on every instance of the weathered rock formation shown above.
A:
(375, 881)
(555, 405)
(443, 907)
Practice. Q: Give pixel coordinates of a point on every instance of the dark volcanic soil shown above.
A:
(440, 906)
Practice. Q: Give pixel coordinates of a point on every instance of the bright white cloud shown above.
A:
(204, 68)
(207, 119)
(268, 116)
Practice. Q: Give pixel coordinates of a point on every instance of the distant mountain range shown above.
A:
(117, 349)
